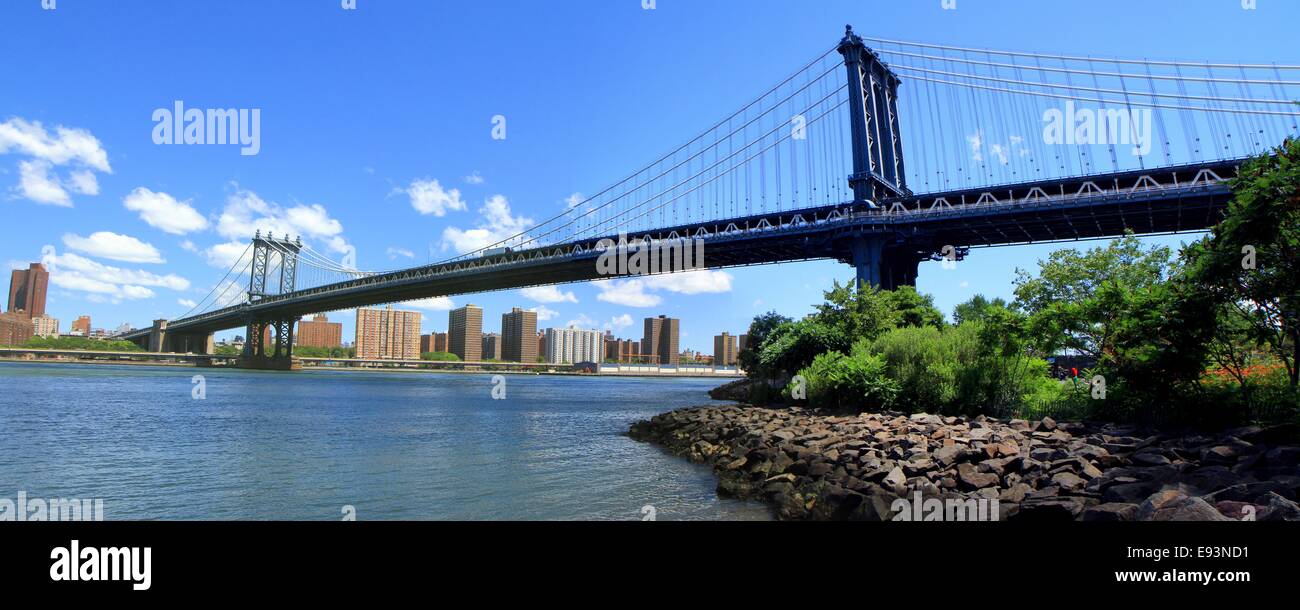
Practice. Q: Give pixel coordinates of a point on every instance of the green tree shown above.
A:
(759, 330)
(865, 313)
(912, 308)
(442, 357)
(1250, 261)
(1074, 299)
(976, 309)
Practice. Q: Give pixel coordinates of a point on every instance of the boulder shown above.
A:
(1279, 508)
(1174, 505)
(970, 477)
(1049, 509)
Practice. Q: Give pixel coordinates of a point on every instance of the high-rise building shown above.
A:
(724, 350)
(15, 328)
(572, 345)
(27, 288)
(433, 342)
(518, 329)
(45, 326)
(388, 333)
(465, 332)
(491, 346)
(541, 345)
(81, 326)
(320, 332)
(622, 350)
(661, 337)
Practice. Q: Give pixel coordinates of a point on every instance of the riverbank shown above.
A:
(816, 466)
(94, 358)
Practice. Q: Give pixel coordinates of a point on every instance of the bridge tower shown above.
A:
(273, 272)
(883, 260)
(878, 170)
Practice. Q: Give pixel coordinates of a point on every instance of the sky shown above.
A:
(376, 131)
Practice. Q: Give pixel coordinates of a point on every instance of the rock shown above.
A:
(1068, 481)
(1129, 493)
(1174, 505)
(1046, 424)
(1221, 454)
(1279, 509)
(969, 475)
(1249, 492)
(1110, 512)
(736, 464)
(1149, 458)
(1049, 509)
(1238, 511)
(1015, 494)
(896, 481)
(925, 418)
(948, 455)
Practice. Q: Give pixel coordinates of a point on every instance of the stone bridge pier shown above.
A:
(161, 340)
(269, 346)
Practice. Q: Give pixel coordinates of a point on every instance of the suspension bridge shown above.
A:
(878, 153)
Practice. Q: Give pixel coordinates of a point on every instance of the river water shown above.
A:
(305, 445)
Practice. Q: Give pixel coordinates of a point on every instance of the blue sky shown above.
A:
(359, 108)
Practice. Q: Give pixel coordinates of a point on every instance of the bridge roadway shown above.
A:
(885, 243)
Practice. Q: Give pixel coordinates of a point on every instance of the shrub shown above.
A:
(857, 381)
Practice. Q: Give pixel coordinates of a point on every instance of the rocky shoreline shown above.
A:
(818, 466)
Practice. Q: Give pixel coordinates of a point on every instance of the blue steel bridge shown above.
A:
(881, 154)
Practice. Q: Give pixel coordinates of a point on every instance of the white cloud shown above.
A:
(189, 246)
(226, 255)
(474, 178)
(80, 265)
(393, 253)
(574, 200)
(105, 284)
(83, 182)
(35, 183)
(544, 313)
(629, 293)
(691, 282)
(582, 321)
(431, 304)
(548, 294)
(619, 322)
(497, 225)
(70, 145)
(428, 197)
(976, 141)
(114, 246)
(164, 212)
(637, 292)
(246, 213)
(186, 303)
